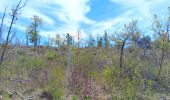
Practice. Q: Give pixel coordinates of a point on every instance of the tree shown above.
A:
(58, 40)
(128, 33)
(78, 37)
(1, 25)
(144, 42)
(69, 39)
(27, 37)
(162, 40)
(91, 41)
(167, 25)
(99, 42)
(33, 31)
(106, 40)
(50, 41)
(14, 15)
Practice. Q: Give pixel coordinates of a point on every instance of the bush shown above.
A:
(120, 86)
(55, 86)
(74, 97)
(56, 90)
(52, 56)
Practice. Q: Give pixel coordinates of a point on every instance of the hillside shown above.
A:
(84, 50)
(95, 75)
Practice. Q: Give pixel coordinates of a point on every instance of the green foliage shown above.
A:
(74, 97)
(55, 89)
(85, 98)
(6, 96)
(84, 58)
(128, 73)
(31, 63)
(95, 74)
(36, 63)
(69, 39)
(100, 42)
(32, 30)
(52, 56)
(126, 86)
(55, 86)
(107, 72)
(111, 72)
(58, 74)
(165, 76)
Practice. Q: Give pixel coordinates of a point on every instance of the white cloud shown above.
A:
(144, 8)
(141, 6)
(111, 25)
(141, 10)
(71, 13)
(29, 13)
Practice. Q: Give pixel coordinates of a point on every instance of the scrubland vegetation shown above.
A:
(128, 65)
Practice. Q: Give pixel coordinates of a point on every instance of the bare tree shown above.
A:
(78, 37)
(27, 37)
(58, 40)
(91, 41)
(14, 16)
(106, 40)
(1, 25)
(39, 40)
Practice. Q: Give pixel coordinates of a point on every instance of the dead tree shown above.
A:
(1, 25)
(26, 37)
(14, 15)
(78, 37)
(106, 40)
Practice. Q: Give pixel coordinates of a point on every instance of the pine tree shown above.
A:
(33, 31)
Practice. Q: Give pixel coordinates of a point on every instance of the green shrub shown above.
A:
(6, 96)
(52, 56)
(31, 62)
(74, 97)
(121, 87)
(55, 86)
(55, 89)
(36, 63)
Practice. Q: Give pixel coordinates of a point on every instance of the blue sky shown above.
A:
(88, 16)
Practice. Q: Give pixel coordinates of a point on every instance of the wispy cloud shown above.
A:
(70, 14)
(63, 16)
(141, 10)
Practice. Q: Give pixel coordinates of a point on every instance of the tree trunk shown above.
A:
(161, 63)
(7, 39)
(121, 54)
